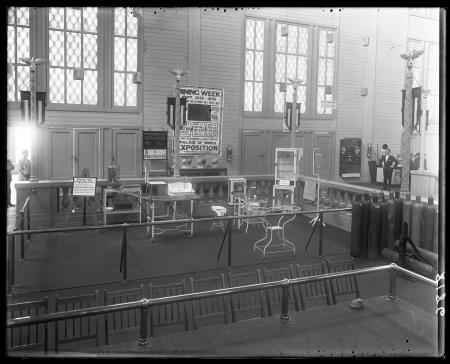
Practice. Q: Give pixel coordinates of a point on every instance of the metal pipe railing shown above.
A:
(25, 207)
(147, 303)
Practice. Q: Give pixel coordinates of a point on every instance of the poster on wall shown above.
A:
(202, 132)
(350, 157)
(154, 144)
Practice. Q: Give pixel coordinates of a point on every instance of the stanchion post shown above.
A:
(229, 246)
(320, 233)
(392, 285)
(12, 264)
(285, 301)
(84, 210)
(124, 247)
(143, 337)
(29, 218)
(22, 236)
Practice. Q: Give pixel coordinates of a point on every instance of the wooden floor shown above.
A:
(382, 328)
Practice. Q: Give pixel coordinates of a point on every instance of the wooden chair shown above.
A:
(171, 314)
(342, 286)
(274, 295)
(76, 329)
(313, 290)
(246, 305)
(122, 321)
(31, 336)
(209, 311)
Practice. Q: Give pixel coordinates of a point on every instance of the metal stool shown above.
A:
(220, 211)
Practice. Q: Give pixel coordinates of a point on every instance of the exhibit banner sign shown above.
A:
(202, 132)
(155, 144)
(84, 186)
(329, 103)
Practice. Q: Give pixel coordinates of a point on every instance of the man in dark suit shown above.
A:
(388, 162)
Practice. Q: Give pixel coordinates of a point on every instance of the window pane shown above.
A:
(250, 34)
(433, 81)
(280, 66)
(259, 41)
(303, 40)
(56, 48)
(131, 91)
(330, 47)
(302, 66)
(330, 69)
(291, 67)
(322, 43)
(119, 21)
(11, 86)
(249, 59)
(23, 42)
(11, 45)
(281, 41)
(433, 56)
(90, 88)
(11, 16)
(279, 99)
(292, 39)
(90, 20)
(289, 92)
(23, 16)
(132, 26)
(248, 97)
(56, 18)
(73, 88)
(257, 106)
(119, 54)
(56, 86)
(23, 78)
(119, 89)
(301, 97)
(321, 72)
(131, 54)
(73, 19)
(320, 97)
(259, 66)
(73, 49)
(90, 51)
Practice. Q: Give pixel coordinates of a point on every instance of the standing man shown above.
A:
(388, 162)
(24, 167)
(9, 169)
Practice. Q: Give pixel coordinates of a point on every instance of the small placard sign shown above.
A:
(84, 186)
(309, 193)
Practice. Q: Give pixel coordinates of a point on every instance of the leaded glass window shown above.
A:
(291, 62)
(125, 57)
(73, 44)
(432, 13)
(418, 62)
(254, 65)
(18, 47)
(325, 69)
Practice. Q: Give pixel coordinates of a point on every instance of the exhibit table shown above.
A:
(396, 176)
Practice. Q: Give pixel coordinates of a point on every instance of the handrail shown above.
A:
(146, 303)
(27, 201)
(165, 222)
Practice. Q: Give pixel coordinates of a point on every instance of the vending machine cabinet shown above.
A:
(286, 166)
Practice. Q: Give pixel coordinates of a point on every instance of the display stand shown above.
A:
(236, 187)
(286, 172)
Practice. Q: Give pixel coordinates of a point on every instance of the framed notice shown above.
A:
(350, 157)
(202, 132)
(84, 186)
(155, 144)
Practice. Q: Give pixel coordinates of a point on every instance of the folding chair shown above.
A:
(209, 311)
(170, 314)
(342, 286)
(76, 329)
(312, 291)
(246, 305)
(30, 336)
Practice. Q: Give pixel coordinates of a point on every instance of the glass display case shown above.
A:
(286, 166)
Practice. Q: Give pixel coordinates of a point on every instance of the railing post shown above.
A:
(29, 217)
(392, 285)
(123, 257)
(229, 246)
(284, 317)
(143, 337)
(11, 264)
(22, 236)
(320, 234)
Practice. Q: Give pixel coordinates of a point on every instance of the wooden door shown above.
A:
(86, 147)
(126, 145)
(325, 141)
(59, 153)
(254, 152)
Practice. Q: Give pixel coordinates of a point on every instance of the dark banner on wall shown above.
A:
(155, 144)
(350, 157)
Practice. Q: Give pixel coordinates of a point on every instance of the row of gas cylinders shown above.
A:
(378, 222)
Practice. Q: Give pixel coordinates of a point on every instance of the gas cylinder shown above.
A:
(365, 225)
(398, 215)
(436, 233)
(416, 222)
(373, 244)
(430, 257)
(383, 220)
(356, 231)
(406, 213)
(390, 231)
(428, 214)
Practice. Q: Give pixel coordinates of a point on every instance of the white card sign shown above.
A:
(329, 103)
(84, 186)
(309, 192)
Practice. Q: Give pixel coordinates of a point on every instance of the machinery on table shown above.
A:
(286, 173)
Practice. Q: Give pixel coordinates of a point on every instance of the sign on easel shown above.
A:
(84, 186)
